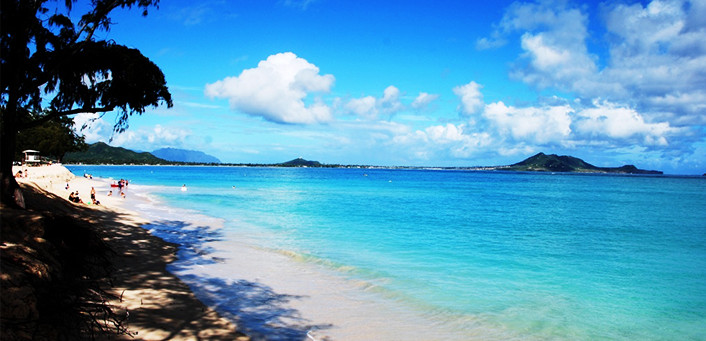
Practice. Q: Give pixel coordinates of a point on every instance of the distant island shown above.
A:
(555, 163)
(101, 153)
(183, 155)
(299, 162)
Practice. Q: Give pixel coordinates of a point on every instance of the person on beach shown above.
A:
(93, 194)
(110, 193)
(73, 197)
(122, 194)
(19, 174)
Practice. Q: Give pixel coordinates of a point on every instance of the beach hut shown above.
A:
(31, 156)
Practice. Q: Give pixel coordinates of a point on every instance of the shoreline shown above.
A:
(247, 274)
(158, 304)
(278, 294)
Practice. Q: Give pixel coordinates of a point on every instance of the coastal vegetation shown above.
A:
(101, 153)
(53, 138)
(54, 67)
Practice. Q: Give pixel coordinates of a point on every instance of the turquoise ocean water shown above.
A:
(535, 255)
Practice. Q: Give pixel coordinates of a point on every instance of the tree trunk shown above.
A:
(15, 69)
(9, 188)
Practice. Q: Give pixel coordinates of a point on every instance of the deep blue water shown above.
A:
(565, 256)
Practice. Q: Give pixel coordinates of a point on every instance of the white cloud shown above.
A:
(365, 107)
(92, 126)
(423, 100)
(490, 43)
(276, 90)
(445, 134)
(554, 43)
(654, 60)
(616, 122)
(151, 138)
(98, 129)
(442, 141)
(645, 79)
(657, 52)
(530, 124)
(390, 101)
(369, 107)
(471, 97)
(544, 56)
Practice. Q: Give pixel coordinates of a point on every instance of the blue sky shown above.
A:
(424, 83)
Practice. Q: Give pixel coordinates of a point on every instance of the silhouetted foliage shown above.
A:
(53, 67)
(53, 139)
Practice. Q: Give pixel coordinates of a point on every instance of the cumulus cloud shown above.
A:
(96, 129)
(553, 40)
(155, 137)
(423, 100)
(471, 97)
(276, 90)
(641, 68)
(390, 102)
(365, 107)
(457, 141)
(655, 53)
(532, 124)
(617, 122)
(370, 107)
(658, 51)
(92, 126)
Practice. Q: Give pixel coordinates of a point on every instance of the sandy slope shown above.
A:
(159, 305)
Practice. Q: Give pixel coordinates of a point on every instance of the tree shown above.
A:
(53, 68)
(53, 138)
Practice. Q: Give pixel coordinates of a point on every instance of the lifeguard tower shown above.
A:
(31, 157)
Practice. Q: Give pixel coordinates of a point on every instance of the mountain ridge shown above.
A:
(102, 153)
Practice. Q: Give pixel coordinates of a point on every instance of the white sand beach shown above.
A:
(159, 305)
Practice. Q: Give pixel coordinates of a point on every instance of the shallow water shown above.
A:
(394, 254)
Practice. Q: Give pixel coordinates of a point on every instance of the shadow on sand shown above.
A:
(160, 307)
(258, 310)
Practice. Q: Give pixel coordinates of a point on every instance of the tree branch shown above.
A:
(56, 114)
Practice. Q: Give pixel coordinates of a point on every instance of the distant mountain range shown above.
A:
(555, 163)
(101, 153)
(183, 155)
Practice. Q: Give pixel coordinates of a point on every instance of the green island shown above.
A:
(555, 163)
